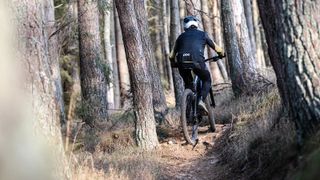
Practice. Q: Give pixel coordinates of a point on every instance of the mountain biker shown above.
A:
(189, 52)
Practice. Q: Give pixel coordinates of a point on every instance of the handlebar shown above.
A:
(215, 58)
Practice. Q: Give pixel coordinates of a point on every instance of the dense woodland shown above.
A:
(88, 91)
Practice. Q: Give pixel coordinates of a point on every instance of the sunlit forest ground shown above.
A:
(254, 139)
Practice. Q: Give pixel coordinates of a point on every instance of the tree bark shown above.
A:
(246, 53)
(215, 71)
(54, 49)
(247, 6)
(108, 55)
(92, 65)
(40, 83)
(292, 32)
(218, 35)
(174, 33)
(116, 81)
(193, 9)
(258, 36)
(158, 97)
(254, 82)
(165, 44)
(124, 76)
(182, 12)
(232, 48)
(145, 131)
(157, 34)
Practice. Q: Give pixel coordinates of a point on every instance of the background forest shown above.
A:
(87, 90)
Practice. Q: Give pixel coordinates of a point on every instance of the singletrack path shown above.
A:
(182, 161)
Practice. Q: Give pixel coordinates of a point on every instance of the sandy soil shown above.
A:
(182, 161)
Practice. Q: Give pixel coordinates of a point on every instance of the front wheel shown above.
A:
(187, 117)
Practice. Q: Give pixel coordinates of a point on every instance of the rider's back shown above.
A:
(192, 41)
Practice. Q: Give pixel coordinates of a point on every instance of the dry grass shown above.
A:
(257, 146)
(108, 151)
(260, 140)
(128, 163)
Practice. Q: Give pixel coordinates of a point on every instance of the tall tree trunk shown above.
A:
(170, 73)
(193, 9)
(116, 78)
(247, 6)
(92, 65)
(232, 48)
(165, 44)
(157, 34)
(54, 49)
(293, 41)
(115, 70)
(246, 53)
(124, 76)
(145, 131)
(218, 36)
(182, 12)
(72, 90)
(158, 97)
(258, 36)
(108, 54)
(253, 80)
(174, 33)
(215, 71)
(39, 82)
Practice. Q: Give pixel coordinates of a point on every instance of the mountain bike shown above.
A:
(192, 117)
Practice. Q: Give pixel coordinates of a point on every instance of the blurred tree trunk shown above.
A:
(293, 41)
(246, 53)
(158, 97)
(218, 36)
(72, 89)
(174, 33)
(165, 44)
(232, 48)
(115, 71)
(215, 71)
(254, 82)
(194, 9)
(124, 76)
(54, 51)
(108, 54)
(247, 6)
(258, 36)
(145, 131)
(40, 83)
(92, 65)
(182, 11)
(155, 21)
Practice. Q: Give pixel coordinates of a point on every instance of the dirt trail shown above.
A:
(181, 161)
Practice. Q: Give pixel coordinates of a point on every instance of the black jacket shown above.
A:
(193, 41)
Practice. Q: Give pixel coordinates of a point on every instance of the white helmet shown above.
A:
(190, 21)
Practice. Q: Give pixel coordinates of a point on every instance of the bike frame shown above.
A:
(197, 83)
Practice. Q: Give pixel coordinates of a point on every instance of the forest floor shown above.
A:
(182, 161)
(244, 146)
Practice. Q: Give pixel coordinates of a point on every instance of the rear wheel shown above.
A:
(210, 114)
(187, 119)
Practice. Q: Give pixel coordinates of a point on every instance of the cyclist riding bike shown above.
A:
(189, 52)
